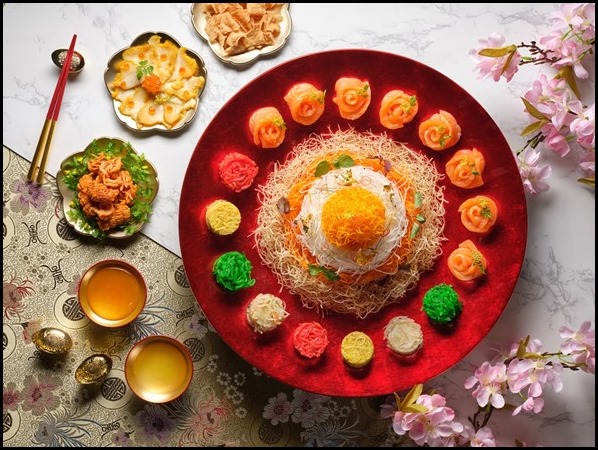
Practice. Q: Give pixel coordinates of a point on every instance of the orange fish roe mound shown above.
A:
(353, 217)
(152, 84)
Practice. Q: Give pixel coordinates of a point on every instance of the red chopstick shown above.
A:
(37, 171)
(64, 73)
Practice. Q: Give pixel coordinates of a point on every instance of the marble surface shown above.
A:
(557, 283)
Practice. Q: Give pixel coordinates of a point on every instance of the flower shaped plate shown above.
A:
(199, 23)
(68, 195)
(110, 72)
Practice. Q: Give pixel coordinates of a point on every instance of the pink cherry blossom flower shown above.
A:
(534, 374)
(389, 407)
(490, 380)
(533, 174)
(555, 140)
(578, 16)
(530, 404)
(494, 67)
(545, 92)
(483, 437)
(580, 345)
(584, 127)
(518, 374)
(435, 427)
(571, 54)
(588, 162)
(552, 41)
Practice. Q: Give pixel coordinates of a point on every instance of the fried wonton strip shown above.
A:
(241, 27)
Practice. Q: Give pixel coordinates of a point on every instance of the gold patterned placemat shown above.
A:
(228, 402)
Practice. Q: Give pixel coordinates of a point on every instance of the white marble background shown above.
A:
(557, 285)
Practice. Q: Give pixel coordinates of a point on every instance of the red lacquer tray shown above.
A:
(273, 354)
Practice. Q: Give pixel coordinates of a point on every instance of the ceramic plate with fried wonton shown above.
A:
(240, 33)
(155, 83)
(107, 189)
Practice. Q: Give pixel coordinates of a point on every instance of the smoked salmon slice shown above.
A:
(397, 108)
(465, 168)
(440, 131)
(306, 103)
(466, 262)
(352, 96)
(267, 127)
(479, 214)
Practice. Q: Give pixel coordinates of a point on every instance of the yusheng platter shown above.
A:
(155, 83)
(351, 290)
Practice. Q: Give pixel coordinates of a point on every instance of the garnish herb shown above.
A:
(441, 130)
(279, 123)
(315, 270)
(477, 261)
(319, 97)
(144, 68)
(322, 168)
(414, 230)
(443, 139)
(407, 106)
(342, 162)
(418, 199)
(485, 212)
(363, 92)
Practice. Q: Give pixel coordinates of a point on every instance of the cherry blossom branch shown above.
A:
(559, 119)
(520, 375)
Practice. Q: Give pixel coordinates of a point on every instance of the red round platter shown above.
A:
(483, 300)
